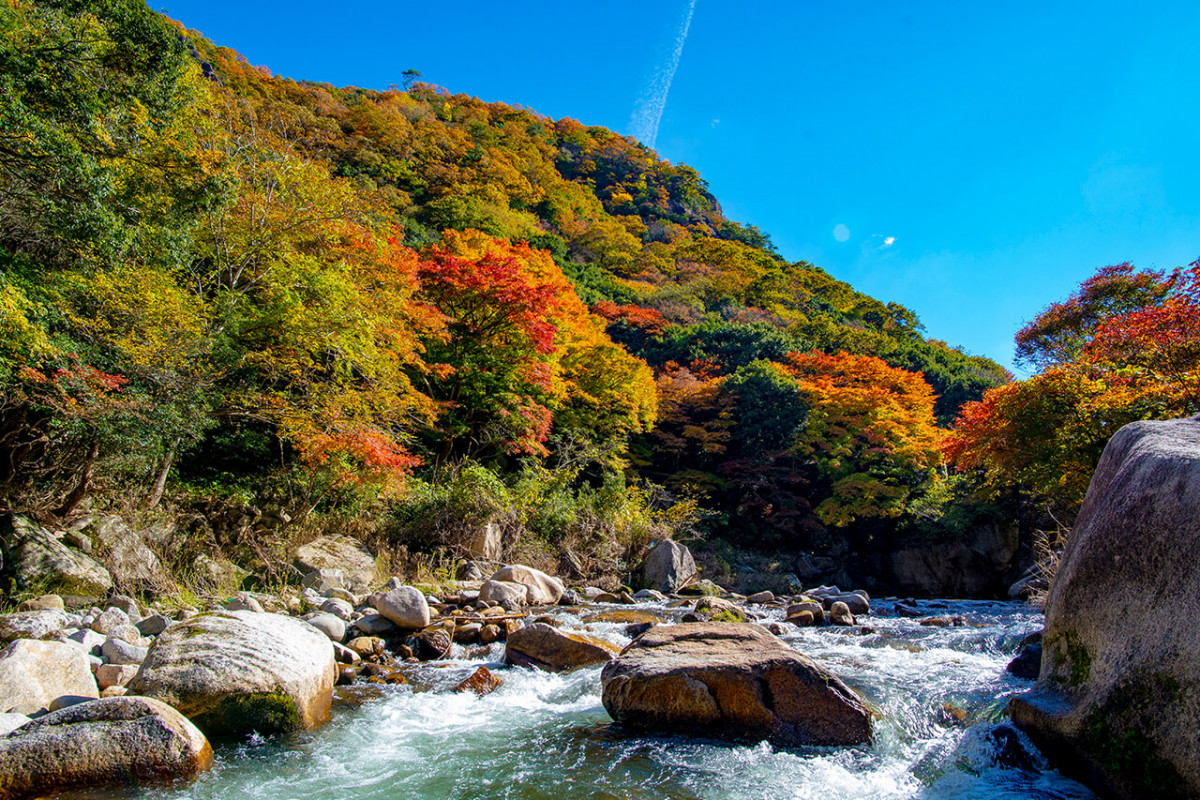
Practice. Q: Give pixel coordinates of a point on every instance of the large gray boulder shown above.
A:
(544, 590)
(37, 557)
(504, 593)
(34, 624)
(334, 551)
(240, 671)
(126, 741)
(730, 680)
(547, 648)
(406, 607)
(667, 568)
(35, 674)
(1116, 700)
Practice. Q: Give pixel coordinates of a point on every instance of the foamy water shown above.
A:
(940, 691)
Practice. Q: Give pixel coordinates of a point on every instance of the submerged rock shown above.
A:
(239, 671)
(547, 648)
(120, 740)
(481, 682)
(731, 681)
(1115, 703)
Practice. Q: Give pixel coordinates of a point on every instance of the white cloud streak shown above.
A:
(648, 112)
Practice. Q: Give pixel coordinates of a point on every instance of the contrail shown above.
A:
(649, 110)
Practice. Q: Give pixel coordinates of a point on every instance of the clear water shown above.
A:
(940, 690)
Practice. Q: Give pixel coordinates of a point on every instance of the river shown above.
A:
(941, 692)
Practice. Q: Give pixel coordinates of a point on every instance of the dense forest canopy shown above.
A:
(218, 280)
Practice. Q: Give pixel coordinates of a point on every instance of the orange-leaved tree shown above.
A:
(870, 430)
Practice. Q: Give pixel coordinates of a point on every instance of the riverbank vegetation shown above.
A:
(289, 301)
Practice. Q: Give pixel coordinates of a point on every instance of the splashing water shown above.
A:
(940, 691)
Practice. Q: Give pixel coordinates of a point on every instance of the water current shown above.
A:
(941, 692)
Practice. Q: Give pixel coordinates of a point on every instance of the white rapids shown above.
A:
(541, 736)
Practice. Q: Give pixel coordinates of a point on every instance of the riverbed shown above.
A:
(940, 693)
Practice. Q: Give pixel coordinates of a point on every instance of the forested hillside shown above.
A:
(224, 288)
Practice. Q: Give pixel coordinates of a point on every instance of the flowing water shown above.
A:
(941, 693)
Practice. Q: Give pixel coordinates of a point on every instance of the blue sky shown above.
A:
(1005, 150)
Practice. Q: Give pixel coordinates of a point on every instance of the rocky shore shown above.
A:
(119, 688)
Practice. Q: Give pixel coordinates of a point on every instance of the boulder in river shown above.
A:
(35, 674)
(545, 647)
(125, 741)
(239, 671)
(731, 681)
(1116, 699)
(666, 568)
(544, 590)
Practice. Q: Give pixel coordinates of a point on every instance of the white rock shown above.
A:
(33, 674)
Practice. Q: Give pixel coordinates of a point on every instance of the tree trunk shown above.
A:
(80, 491)
(160, 483)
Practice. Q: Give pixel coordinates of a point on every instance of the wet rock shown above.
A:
(624, 617)
(504, 593)
(650, 595)
(34, 624)
(119, 740)
(34, 674)
(947, 621)
(344, 655)
(855, 602)
(352, 557)
(730, 681)
(839, 614)
(546, 648)
(803, 619)
(432, 644)
(405, 606)
(490, 634)
(239, 671)
(704, 588)
(1028, 662)
(481, 682)
(667, 568)
(543, 589)
(761, 598)
(636, 629)
(1115, 703)
(1012, 751)
(367, 646)
(346, 675)
(468, 633)
(719, 609)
